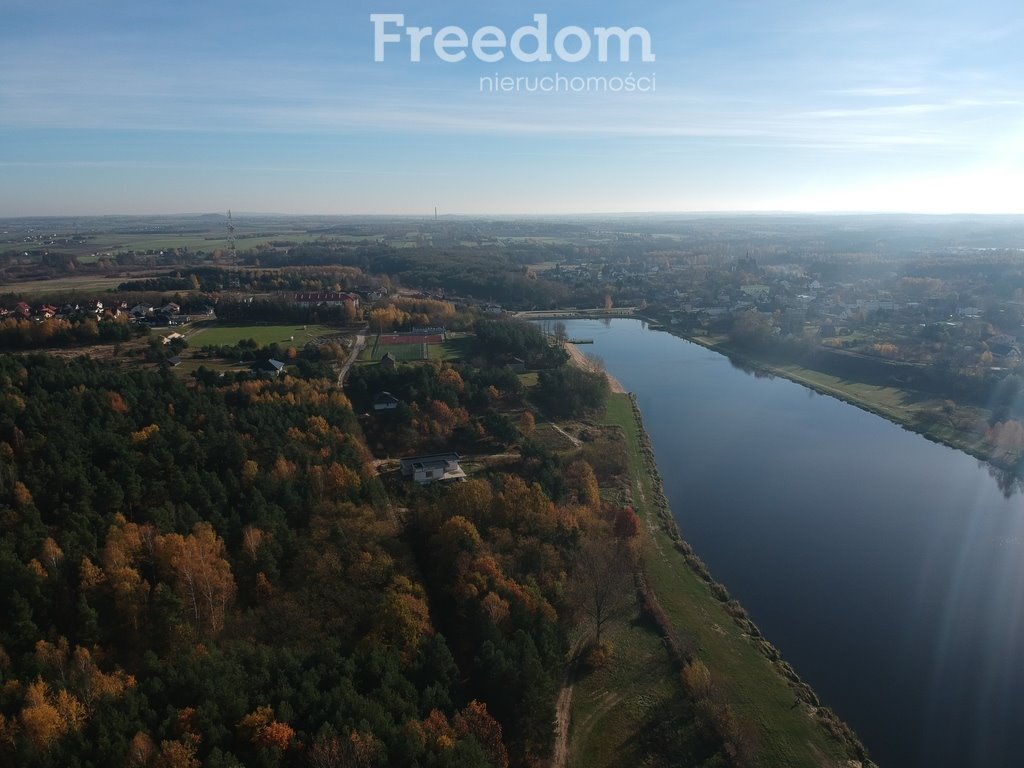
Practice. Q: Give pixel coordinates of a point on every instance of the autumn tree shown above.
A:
(471, 500)
(47, 716)
(527, 423)
(122, 553)
(403, 620)
(581, 484)
(141, 751)
(626, 523)
(202, 575)
(476, 721)
(697, 679)
(51, 555)
(92, 684)
(263, 731)
(177, 754)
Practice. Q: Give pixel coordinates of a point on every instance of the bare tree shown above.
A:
(603, 584)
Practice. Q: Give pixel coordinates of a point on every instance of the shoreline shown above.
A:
(962, 444)
(661, 589)
(588, 364)
(658, 592)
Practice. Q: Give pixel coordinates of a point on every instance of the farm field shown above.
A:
(87, 284)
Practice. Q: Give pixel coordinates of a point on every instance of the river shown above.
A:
(886, 568)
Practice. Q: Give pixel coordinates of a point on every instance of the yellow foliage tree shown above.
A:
(141, 751)
(202, 575)
(177, 754)
(697, 679)
(90, 575)
(45, 718)
(22, 495)
(144, 434)
(51, 555)
(121, 554)
(581, 482)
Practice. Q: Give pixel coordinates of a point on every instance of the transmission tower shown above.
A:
(232, 255)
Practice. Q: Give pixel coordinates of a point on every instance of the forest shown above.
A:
(203, 573)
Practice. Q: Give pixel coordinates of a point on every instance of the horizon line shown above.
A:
(534, 215)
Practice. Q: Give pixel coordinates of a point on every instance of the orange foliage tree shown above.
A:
(201, 574)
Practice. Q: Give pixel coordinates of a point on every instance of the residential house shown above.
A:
(271, 368)
(385, 401)
(1005, 350)
(438, 468)
(171, 337)
(388, 362)
(515, 364)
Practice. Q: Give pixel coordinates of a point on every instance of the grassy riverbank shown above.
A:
(776, 714)
(933, 417)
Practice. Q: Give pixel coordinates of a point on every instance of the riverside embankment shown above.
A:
(883, 566)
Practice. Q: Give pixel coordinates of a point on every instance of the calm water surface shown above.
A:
(887, 569)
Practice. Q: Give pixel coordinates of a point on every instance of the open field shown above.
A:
(613, 706)
(89, 284)
(208, 243)
(529, 379)
(190, 365)
(545, 435)
(405, 353)
(456, 348)
(220, 334)
(786, 734)
(453, 348)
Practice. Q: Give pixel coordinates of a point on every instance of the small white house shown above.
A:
(439, 468)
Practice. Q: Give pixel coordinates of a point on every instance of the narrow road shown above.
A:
(563, 711)
(356, 349)
(563, 714)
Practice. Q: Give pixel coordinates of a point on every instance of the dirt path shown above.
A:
(563, 710)
(357, 347)
(576, 442)
(563, 714)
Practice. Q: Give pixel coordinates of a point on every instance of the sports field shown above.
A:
(402, 352)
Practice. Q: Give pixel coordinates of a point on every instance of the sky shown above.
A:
(110, 107)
